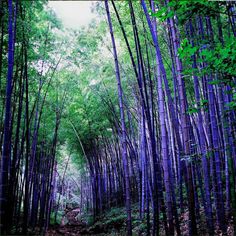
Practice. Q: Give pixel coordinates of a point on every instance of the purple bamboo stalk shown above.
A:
(6, 139)
(123, 127)
(192, 222)
(164, 141)
(203, 144)
(185, 121)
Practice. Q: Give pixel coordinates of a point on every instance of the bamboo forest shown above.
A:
(125, 125)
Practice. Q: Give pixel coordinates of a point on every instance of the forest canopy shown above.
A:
(126, 126)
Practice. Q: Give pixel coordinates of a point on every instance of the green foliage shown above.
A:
(192, 110)
(232, 105)
(113, 221)
(162, 14)
(222, 59)
(60, 214)
(186, 50)
(185, 9)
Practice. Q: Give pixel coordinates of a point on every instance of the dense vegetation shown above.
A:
(130, 120)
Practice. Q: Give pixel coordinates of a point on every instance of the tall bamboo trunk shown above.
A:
(6, 153)
(123, 126)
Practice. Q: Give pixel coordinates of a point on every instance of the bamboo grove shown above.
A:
(27, 160)
(144, 98)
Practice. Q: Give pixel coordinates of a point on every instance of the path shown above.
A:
(74, 227)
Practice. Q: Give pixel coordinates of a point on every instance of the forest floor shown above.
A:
(112, 223)
(73, 226)
(109, 223)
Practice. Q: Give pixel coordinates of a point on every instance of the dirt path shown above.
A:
(73, 227)
(70, 230)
